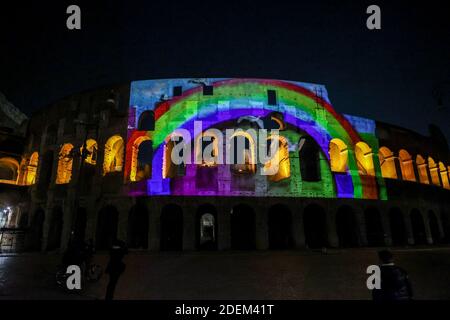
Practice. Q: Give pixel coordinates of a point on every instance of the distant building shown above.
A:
(97, 165)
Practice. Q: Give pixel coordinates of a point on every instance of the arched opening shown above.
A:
(418, 227)
(107, 224)
(364, 159)
(146, 121)
(30, 176)
(309, 157)
(422, 169)
(280, 227)
(65, 162)
(208, 152)
(55, 229)
(434, 227)
(243, 228)
(37, 226)
(171, 169)
(338, 155)
(138, 226)
(387, 163)
(279, 164)
(141, 158)
(406, 164)
(206, 227)
(434, 172)
(114, 149)
(244, 153)
(9, 170)
(374, 227)
(444, 175)
(172, 228)
(398, 229)
(346, 227)
(144, 161)
(90, 156)
(79, 230)
(315, 226)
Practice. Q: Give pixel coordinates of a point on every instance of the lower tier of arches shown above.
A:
(210, 223)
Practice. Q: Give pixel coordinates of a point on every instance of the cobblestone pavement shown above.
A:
(339, 274)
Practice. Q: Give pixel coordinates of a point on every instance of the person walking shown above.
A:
(115, 267)
(395, 284)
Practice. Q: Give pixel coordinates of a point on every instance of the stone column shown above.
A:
(298, 232)
(426, 223)
(361, 227)
(408, 227)
(224, 227)
(333, 240)
(261, 228)
(387, 234)
(154, 224)
(189, 213)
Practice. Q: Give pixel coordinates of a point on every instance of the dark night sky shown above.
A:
(387, 74)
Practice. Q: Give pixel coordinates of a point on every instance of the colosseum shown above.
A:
(95, 165)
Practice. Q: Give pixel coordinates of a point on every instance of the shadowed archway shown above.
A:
(243, 228)
(346, 227)
(280, 227)
(315, 226)
(172, 228)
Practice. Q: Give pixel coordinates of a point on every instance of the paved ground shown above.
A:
(339, 274)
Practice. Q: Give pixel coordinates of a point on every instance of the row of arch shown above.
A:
(25, 174)
(280, 230)
(401, 166)
(405, 167)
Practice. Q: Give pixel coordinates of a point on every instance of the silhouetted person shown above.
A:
(115, 266)
(395, 285)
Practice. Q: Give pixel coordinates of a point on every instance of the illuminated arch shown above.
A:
(30, 176)
(282, 156)
(91, 151)
(216, 145)
(422, 169)
(387, 163)
(444, 175)
(113, 161)
(134, 157)
(338, 151)
(364, 158)
(406, 164)
(249, 154)
(9, 170)
(65, 162)
(434, 172)
(170, 169)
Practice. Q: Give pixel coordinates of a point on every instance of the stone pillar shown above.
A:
(122, 224)
(154, 225)
(189, 213)
(426, 223)
(387, 234)
(408, 227)
(298, 232)
(261, 228)
(333, 240)
(361, 227)
(224, 227)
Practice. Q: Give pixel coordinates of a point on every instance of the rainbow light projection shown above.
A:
(306, 110)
